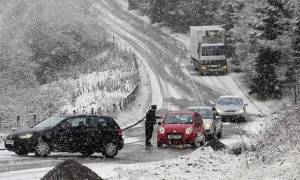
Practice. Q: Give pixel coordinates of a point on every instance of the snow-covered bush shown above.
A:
(280, 135)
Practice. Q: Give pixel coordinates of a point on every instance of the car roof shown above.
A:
(83, 115)
(230, 96)
(181, 112)
(199, 107)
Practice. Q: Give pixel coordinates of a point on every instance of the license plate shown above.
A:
(10, 142)
(174, 136)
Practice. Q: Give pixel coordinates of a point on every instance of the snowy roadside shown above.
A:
(203, 163)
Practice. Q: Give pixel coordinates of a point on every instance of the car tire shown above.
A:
(223, 118)
(42, 149)
(159, 145)
(110, 150)
(193, 145)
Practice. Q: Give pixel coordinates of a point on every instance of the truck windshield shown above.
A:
(213, 50)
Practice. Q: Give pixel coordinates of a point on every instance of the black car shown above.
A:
(73, 133)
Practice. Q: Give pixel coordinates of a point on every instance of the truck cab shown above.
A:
(208, 49)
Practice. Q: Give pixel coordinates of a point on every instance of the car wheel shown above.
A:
(42, 149)
(223, 118)
(194, 145)
(21, 152)
(110, 150)
(159, 144)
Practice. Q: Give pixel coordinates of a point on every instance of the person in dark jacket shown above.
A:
(150, 122)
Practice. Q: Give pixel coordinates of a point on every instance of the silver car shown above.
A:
(231, 108)
(212, 122)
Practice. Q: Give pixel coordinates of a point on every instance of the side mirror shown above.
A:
(159, 123)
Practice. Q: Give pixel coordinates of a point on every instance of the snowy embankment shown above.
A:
(203, 163)
(104, 89)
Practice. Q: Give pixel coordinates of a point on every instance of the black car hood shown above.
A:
(28, 131)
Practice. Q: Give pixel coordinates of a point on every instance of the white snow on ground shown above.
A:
(172, 92)
(155, 86)
(201, 164)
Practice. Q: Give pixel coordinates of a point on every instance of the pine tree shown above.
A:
(296, 41)
(265, 82)
(157, 10)
(266, 29)
(192, 13)
(229, 19)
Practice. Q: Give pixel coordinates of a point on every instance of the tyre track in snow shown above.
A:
(164, 50)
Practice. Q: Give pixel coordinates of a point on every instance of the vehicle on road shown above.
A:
(212, 122)
(70, 133)
(208, 49)
(231, 108)
(181, 127)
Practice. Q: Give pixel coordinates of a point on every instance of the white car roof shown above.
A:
(199, 107)
(230, 96)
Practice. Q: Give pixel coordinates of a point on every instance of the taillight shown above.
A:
(119, 132)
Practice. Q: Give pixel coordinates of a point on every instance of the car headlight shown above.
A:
(189, 130)
(26, 136)
(161, 130)
(207, 125)
(241, 111)
(225, 67)
(219, 110)
(204, 67)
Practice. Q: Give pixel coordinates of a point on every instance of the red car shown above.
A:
(181, 127)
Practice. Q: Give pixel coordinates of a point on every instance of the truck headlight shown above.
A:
(26, 136)
(189, 130)
(161, 130)
(203, 67)
(225, 67)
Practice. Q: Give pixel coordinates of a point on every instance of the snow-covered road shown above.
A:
(168, 80)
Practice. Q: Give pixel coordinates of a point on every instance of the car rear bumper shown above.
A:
(121, 144)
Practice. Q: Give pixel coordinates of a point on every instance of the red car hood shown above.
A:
(176, 128)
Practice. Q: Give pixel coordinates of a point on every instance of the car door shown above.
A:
(60, 136)
(78, 134)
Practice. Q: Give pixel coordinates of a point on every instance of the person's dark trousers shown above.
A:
(149, 131)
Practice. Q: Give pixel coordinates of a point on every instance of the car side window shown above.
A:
(77, 122)
(97, 122)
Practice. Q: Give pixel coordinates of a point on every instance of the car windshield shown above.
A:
(50, 122)
(179, 119)
(205, 113)
(213, 50)
(230, 101)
